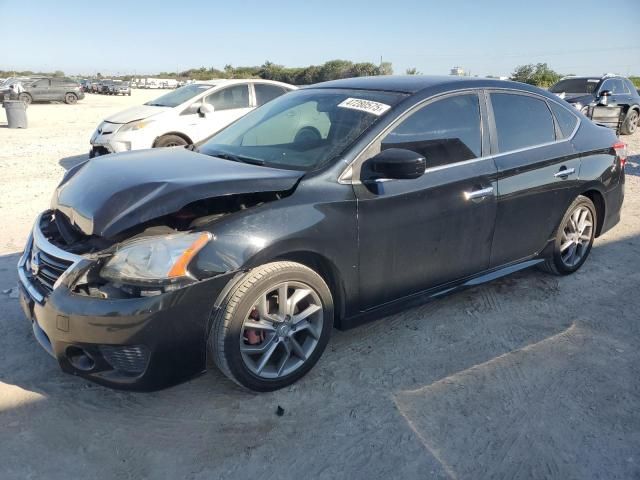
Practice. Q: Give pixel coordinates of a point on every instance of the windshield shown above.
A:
(301, 130)
(180, 95)
(575, 85)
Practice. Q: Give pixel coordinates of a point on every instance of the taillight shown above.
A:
(621, 152)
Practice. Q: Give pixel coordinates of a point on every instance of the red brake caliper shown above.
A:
(252, 335)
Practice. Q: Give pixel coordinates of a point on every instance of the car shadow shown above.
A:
(70, 162)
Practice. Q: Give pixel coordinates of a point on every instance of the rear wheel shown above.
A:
(170, 141)
(574, 238)
(630, 124)
(272, 327)
(70, 98)
(25, 98)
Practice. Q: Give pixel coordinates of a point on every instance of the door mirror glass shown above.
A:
(206, 109)
(394, 163)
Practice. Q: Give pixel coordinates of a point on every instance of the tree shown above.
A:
(539, 75)
(385, 68)
(412, 71)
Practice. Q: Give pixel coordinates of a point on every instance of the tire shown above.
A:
(25, 98)
(170, 141)
(630, 124)
(579, 239)
(229, 343)
(70, 99)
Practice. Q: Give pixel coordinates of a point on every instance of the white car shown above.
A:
(183, 116)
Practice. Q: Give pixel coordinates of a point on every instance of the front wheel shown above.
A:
(272, 327)
(70, 98)
(170, 141)
(630, 124)
(574, 238)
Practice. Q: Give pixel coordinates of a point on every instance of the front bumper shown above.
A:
(141, 344)
(108, 139)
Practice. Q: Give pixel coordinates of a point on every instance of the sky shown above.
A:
(485, 37)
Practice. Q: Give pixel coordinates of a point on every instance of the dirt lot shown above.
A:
(532, 376)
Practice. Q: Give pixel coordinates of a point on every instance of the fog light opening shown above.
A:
(80, 359)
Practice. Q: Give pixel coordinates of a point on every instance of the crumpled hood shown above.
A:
(136, 113)
(109, 194)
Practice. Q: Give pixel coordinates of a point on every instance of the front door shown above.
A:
(229, 103)
(418, 234)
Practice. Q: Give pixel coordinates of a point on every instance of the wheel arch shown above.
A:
(184, 136)
(329, 273)
(598, 200)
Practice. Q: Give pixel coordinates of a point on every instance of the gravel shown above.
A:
(530, 376)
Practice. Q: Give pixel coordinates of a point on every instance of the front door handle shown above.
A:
(565, 172)
(477, 194)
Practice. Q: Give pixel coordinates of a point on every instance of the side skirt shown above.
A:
(425, 296)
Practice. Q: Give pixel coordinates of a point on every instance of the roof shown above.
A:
(411, 83)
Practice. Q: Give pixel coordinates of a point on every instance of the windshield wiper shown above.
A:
(155, 104)
(236, 158)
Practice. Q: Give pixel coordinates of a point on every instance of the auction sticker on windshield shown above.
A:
(375, 108)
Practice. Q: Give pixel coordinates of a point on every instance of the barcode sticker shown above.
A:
(369, 106)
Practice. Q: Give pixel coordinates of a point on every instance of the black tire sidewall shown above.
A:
(557, 259)
(232, 340)
(70, 98)
(627, 126)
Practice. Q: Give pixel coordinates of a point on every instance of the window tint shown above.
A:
(445, 131)
(230, 97)
(566, 120)
(44, 83)
(521, 121)
(265, 93)
(614, 85)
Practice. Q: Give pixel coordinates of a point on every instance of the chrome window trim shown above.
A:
(345, 178)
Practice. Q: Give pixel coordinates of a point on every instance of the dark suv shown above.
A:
(52, 90)
(585, 91)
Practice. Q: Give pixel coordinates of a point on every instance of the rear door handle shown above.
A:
(564, 173)
(476, 194)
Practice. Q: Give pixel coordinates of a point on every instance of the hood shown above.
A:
(136, 113)
(110, 194)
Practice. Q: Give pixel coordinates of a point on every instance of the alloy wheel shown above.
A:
(633, 121)
(576, 236)
(281, 330)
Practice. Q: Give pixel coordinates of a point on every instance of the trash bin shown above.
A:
(16, 111)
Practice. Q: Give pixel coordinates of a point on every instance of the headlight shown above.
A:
(578, 106)
(137, 125)
(163, 259)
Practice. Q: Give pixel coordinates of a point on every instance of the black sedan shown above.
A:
(326, 207)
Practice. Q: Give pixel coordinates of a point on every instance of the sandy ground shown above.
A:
(531, 376)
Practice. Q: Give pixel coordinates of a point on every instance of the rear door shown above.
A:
(421, 233)
(58, 89)
(537, 173)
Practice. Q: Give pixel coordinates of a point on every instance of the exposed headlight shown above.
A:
(161, 259)
(137, 125)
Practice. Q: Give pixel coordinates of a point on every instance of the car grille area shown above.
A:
(45, 269)
(130, 359)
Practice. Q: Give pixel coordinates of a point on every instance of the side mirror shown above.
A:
(396, 164)
(604, 97)
(206, 109)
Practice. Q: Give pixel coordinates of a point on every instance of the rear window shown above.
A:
(567, 121)
(266, 93)
(521, 121)
(575, 85)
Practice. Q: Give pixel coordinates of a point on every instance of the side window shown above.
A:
(445, 131)
(567, 121)
(630, 87)
(266, 93)
(236, 96)
(521, 121)
(614, 85)
(44, 83)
